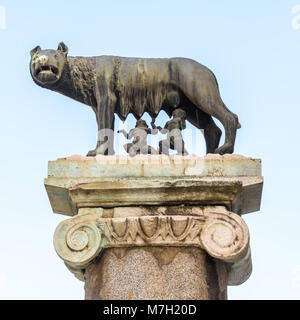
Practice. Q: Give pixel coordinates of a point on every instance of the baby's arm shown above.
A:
(126, 135)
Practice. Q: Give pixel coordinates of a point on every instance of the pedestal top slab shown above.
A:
(212, 165)
(115, 181)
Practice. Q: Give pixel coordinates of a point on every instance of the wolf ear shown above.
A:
(63, 48)
(36, 49)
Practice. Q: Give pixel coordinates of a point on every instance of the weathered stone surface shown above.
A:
(212, 165)
(113, 181)
(155, 227)
(220, 233)
(241, 270)
(156, 273)
(129, 192)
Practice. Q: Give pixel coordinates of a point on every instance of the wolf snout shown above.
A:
(43, 60)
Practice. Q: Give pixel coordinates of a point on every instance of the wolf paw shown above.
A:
(225, 148)
(91, 153)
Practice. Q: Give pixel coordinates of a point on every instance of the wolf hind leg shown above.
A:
(212, 135)
(230, 122)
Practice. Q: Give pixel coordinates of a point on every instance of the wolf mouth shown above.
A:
(44, 69)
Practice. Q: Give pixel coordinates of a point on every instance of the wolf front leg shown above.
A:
(105, 120)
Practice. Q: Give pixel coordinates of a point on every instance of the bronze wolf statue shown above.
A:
(111, 84)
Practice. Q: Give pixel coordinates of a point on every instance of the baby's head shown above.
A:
(141, 124)
(179, 113)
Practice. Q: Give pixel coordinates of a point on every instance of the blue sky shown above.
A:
(254, 51)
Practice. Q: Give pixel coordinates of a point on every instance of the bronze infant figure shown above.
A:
(173, 128)
(111, 84)
(139, 144)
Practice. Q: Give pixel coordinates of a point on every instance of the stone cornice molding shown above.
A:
(77, 182)
(221, 233)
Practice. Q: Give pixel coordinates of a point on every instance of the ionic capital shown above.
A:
(221, 233)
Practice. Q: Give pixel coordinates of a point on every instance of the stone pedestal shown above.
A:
(174, 273)
(155, 227)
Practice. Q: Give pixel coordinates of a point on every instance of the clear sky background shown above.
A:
(254, 51)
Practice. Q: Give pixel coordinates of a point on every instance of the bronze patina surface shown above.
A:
(112, 84)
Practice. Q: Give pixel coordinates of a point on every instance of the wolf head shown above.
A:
(46, 66)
